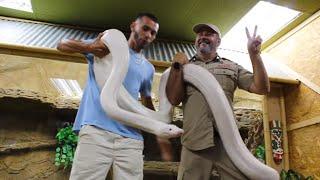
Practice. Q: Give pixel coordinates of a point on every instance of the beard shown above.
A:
(141, 44)
(206, 48)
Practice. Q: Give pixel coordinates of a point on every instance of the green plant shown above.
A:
(292, 175)
(67, 143)
(260, 153)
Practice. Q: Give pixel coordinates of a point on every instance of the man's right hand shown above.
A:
(181, 58)
(98, 48)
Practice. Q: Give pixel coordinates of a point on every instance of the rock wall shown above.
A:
(27, 139)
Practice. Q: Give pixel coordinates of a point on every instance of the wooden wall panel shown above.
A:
(300, 50)
(301, 104)
(304, 148)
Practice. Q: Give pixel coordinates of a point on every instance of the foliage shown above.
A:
(292, 175)
(260, 153)
(67, 143)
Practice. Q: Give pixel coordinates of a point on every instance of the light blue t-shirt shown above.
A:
(138, 80)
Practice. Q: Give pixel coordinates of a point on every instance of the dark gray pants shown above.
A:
(198, 165)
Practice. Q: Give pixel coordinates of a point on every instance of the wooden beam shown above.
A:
(54, 54)
(309, 122)
(47, 53)
(284, 80)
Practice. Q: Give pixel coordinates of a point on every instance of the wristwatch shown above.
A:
(176, 65)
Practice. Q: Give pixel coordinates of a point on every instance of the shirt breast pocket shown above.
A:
(227, 78)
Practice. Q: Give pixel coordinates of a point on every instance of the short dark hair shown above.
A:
(149, 15)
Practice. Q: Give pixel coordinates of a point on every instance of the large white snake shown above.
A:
(120, 105)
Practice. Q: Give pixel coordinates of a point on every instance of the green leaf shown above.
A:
(283, 175)
(57, 164)
(69, 154)
(68, 147)
(260, 152)
(63, 156)
(58, 149)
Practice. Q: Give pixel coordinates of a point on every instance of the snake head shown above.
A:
(170, 131)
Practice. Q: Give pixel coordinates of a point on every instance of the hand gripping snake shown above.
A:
(120, 105)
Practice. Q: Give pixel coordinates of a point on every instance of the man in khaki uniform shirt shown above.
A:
(202, 148)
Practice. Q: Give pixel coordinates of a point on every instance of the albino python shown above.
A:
(119, 104)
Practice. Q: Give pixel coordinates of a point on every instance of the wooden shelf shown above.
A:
(164, 168)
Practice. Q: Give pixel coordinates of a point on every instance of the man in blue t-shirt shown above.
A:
(104, 142)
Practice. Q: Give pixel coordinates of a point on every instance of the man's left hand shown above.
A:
(254, 42)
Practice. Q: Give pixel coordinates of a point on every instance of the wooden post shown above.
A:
(266, 131)
(285, 134)
(274, 109)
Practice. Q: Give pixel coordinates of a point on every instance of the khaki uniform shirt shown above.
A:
(198, 122)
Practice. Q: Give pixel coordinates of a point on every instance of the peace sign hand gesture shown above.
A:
(254, 42)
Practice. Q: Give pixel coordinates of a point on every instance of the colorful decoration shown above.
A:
(276, 141)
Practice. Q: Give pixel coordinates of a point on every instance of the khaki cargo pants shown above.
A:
(198, 165)
(99, 150)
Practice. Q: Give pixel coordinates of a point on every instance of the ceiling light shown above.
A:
(269, 18)
(23, 5)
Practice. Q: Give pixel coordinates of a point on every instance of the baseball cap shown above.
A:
(198, 27)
